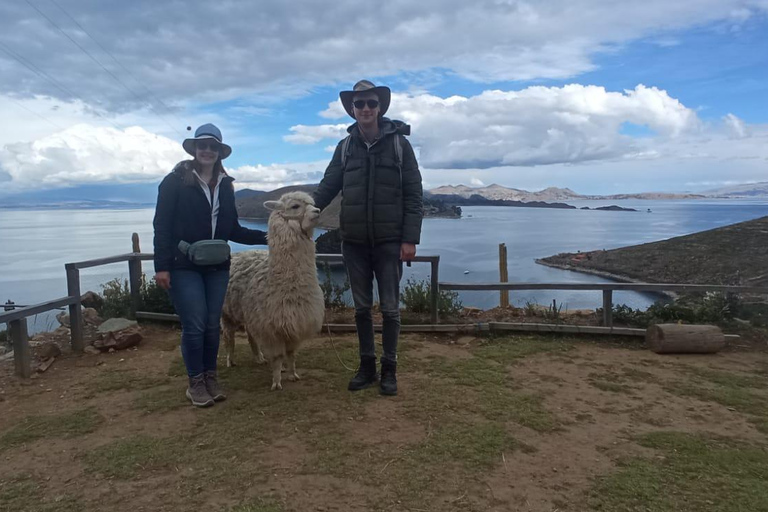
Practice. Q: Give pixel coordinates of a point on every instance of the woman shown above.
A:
(194, 218)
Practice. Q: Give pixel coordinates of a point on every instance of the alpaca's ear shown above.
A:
(273, 205)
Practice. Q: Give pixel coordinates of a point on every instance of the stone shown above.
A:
(119, 340)
(63, 319)
(90, 349)
(91, 317)
(91, 300)
(116, 324)
(48, 350)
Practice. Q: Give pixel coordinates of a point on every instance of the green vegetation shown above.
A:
(117, 298)
(692, 473)
(32, 428)
(709, 308)
(333, 292)
(416, 297)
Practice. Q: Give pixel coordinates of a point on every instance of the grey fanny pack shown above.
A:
(206, 252)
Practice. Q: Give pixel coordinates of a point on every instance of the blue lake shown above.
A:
(35, 245)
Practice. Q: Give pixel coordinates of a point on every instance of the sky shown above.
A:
(595, 95)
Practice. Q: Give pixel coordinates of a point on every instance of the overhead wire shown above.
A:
(127, 71)
(27, 64)
(115, 77)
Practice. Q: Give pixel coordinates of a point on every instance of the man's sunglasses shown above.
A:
(209, 146)
(360, 104)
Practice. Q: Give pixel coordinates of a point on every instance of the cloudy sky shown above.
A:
(595, 95)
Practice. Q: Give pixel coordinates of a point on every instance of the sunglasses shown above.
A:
(360, 104)
(209, 146)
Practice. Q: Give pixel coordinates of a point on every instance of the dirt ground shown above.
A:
(523, 422)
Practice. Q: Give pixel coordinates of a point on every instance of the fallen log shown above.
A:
(684, 339)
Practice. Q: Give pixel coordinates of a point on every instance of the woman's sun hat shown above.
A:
(207, 131)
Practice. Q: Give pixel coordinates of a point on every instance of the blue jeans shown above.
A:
(363, 263)
(198, 298)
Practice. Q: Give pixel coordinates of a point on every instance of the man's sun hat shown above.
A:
(207, 131)
(382, 91)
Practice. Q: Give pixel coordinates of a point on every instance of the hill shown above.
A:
(251, 205)
(731, 255)
(745, 190)
(500, 193)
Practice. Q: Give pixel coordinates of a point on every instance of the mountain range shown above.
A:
(145, 194)
(498, 192)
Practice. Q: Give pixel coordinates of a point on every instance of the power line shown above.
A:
(155, 97)
(94, 59)
(35, 113)
(27, 64)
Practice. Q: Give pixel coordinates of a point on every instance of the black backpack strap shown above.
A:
(345, 151)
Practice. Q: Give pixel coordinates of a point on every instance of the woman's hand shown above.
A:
(163, 280)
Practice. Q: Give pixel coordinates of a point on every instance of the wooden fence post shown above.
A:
(608, 308)
(134, 276)
(435, 289)
(503, 276)
(75, 310)
(9, 306)
(21, 352)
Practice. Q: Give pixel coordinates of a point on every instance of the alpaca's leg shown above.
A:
(256, 349)
(291, 360)
(228, 336)
(277, 366)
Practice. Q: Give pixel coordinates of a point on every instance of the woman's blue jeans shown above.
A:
(198, 298)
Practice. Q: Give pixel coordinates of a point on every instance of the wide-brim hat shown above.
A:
(382, 91)
(207, 131)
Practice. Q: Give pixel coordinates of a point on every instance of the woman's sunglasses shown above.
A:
(208, 146)
(360, 104)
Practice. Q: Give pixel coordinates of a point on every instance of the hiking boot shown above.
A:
(388, 377)
(196, 392)
(212, 385)
(366, 375)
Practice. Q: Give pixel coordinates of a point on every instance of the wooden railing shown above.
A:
(607, 289)
(17, 318)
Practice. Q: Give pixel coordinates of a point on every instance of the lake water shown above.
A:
(35, 245)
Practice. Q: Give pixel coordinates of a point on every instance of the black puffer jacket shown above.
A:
(380, 202)
(183, 213)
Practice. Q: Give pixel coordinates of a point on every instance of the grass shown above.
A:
(744, 393)
(22, 492)
(692, 473)
(258, 505)
(125, 380)
(68, 425)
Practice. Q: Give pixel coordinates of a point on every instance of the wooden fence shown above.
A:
(17, 318)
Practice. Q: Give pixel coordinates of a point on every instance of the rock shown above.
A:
(90, 349)
(119, 340)
(91, 300)
(45, 365)
(63, 319)
(91, 317)
(48, 350)
(116, 324)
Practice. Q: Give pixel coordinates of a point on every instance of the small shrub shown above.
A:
(333, 292)
(117, 298)
(416, 299)
(710, 308)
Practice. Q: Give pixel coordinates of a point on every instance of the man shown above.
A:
(380, 221)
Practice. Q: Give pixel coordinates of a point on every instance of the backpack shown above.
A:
(345, 151)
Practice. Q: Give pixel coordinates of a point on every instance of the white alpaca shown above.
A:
(276, 296)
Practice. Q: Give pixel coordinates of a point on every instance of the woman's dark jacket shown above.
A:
(183, 213)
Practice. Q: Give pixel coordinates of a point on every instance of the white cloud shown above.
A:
(311, 134)
(270, 177)
(737, 128)
(476, 182)
(274, 48)
(85, 154)
(533, 126)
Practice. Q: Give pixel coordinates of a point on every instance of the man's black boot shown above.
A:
(388, 377)
(366, 375)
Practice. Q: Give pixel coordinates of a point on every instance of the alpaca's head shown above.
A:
(297, 210)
